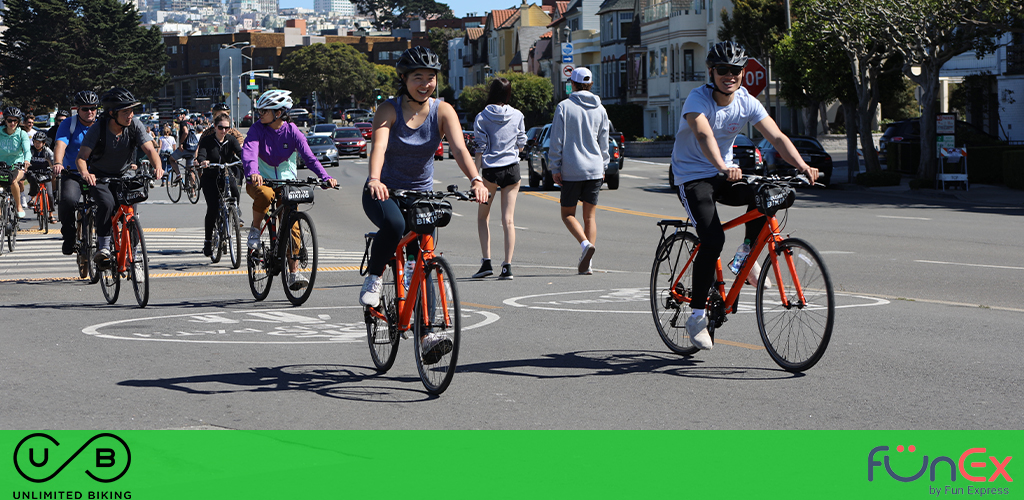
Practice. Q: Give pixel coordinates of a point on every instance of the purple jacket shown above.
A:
(275, 147)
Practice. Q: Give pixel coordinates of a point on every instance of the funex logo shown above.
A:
(107, 457)
(971, 471)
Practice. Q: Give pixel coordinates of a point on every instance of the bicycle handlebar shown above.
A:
(310, 181)
(453, 192)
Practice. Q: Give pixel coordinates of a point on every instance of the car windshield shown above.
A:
(320, 141)
(806, 144)
(741, 140)
(346, 133)
(324, 128)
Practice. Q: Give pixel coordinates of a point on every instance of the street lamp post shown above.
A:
(233, 93)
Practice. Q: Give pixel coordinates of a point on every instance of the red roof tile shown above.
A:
(499, 17)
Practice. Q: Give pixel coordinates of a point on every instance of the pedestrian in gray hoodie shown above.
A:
(499, 136)
(578, 154)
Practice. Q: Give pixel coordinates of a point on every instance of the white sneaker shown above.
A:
(296, 281)
(584, 265)
(697, 328)
(435, 345)
(254, 238)
(370, 294)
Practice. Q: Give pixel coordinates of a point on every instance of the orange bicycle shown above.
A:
(42, 201)
(794, 312)
(434, 314)
(128, 258)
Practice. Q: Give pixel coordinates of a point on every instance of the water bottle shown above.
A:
(741, 256)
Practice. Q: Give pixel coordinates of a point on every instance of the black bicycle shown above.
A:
(85, 229)
(8, 216)
(226, 237)
(297, 254)
(176, 182)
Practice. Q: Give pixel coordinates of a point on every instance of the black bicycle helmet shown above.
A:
(87, 98)
(727, 53)
(221, 107)
(63, 112)
(40, 136)
(417, 58)
(10, 111)
(117, 99)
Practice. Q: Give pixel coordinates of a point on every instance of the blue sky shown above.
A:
(460, 7)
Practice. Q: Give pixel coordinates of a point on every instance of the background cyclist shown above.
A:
(712, 117)
(51, 134)
(121, 133)
(65, 151)
(15, 150)
(216, 147)
(41, 165)
(406, 132)
(270, 151)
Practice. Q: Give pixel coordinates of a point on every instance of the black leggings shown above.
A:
(698, 198)
(211, 183)
(389, 217)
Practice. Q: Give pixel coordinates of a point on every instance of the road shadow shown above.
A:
(599, 363)
(333, 381)
(128, 302)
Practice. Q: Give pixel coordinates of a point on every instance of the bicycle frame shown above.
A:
(121, 238)
(769, 237)
(416, 285)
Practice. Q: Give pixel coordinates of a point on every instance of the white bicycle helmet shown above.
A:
(275, 99)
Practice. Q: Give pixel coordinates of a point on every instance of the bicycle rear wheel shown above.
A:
(383, 336)
(437, 325)
(89, 245)
(215, 239)
(138, 266)
(5, 207)
(173, 182)
(260, 267)
(232, 238)
(672, 261)
(298, 238)
(796, 333)
(192, 185)
(110, 280)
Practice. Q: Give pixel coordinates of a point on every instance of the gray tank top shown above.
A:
(409, 162)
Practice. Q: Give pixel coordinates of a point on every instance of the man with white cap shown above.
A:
(578, 155)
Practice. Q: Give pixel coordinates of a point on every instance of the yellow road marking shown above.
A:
(481, 306)
(740, 344)
(56, 231)
(159, 229)
(546, 196)
(175, 275)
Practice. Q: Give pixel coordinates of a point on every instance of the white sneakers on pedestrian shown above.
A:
(370, 294)
(588, 253)
(697, 329)
(254, 238)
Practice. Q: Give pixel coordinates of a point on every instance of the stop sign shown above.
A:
(755, 78)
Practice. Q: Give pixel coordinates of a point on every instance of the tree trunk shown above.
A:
(929, 82)
(810, 118)
(823, 111)
(850, 118)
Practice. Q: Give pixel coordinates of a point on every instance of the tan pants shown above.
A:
(262, 197)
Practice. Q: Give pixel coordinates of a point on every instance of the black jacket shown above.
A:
(210, 149)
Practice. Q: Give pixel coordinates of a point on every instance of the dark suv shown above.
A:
(909, 132)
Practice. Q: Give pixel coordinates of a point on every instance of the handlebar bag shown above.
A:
(6, 176)
(296, 194)
(132, 191)
(771, 198)
(425, 215)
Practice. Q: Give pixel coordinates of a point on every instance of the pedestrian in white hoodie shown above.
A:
(500, 135)
(578, 154)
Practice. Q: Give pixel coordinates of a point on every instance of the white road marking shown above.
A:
(834, 252)
(901, 217)
(647, 162)
(632, 176)
(1015, 268)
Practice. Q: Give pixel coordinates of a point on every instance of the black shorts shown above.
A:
(585, 191)
(502, 176)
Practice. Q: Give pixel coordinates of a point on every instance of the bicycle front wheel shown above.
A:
(191, 185)
(12, 232)
(173, 182)
(232, 239)
(138, 266)
(673, 268)
(381, 335)
(215, 239)
(796, 330)
(436, 326)
(88, 245)
(42, 216)
(5, 208)
(298, 238)
(260, 268)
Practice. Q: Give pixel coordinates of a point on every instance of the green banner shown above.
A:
(199, 464)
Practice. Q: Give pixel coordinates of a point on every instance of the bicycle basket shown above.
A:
(296, 194)
(771, 198)
(425, 215)
(132, 191)
(6, 175)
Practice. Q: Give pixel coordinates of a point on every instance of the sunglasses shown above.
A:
(88, 110)
(223, 128)
(728, 70)
(261, 111)
(12, 120)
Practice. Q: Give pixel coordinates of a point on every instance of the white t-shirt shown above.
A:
(688, 161)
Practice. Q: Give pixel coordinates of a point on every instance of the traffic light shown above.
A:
(378, 96)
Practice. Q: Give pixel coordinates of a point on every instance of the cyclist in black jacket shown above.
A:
(218, 147)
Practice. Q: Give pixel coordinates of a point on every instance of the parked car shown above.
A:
(909, 132)
(300, 116)
(540, 174)
(468, 137)
(531, 139)
(365, 128)
(246, 120)
(323, 129)
(324, 150)
(812, 152)
(349, 141)
(439, 154)
(352, 114)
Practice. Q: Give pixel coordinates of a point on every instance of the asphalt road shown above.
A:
(926, 334)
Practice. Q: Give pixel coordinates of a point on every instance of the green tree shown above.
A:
(531, 94)
(387, 80)
(334, 71)
(439, 38)
(395, 14)
(757, 25)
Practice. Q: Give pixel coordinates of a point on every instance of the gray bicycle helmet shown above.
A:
(10, 111)
(727, 53)
(40, 136)
(63, 112)
(417, 58)
(117, 99)
(86, 98)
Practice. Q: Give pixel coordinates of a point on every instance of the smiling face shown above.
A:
(725, 79)
(421, 83)
(11, 123)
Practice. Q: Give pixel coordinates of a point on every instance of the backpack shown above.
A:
(191, 141)
(101, 143)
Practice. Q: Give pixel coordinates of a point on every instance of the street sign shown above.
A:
(567, 70)
(567, 58)
(252, 87)
(567, 53)
(755, 78)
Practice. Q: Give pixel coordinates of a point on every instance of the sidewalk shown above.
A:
(979, 194)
